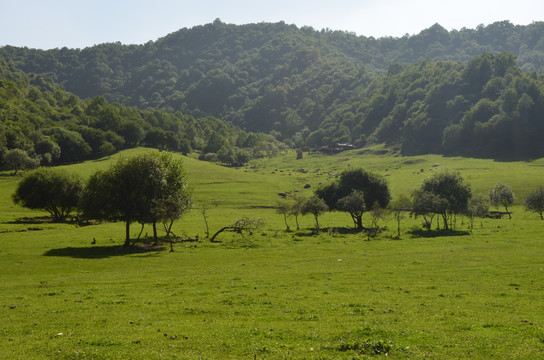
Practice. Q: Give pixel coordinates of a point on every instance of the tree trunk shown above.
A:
(127, 233)
(360, 222)
(296, 220)
(316, 223)
(155, 237)
(286, 224)
(220, 231)
(445, 218)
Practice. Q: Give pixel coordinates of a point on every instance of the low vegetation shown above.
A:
(276, 293)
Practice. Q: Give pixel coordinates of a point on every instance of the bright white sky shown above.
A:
(46, 24)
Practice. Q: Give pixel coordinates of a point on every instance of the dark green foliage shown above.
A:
(315, 206)
(53, 126)
(147, 189)
(355, 192)
(473, 92)
(444, 193)
(54, 191)
(17, 159)
(355, 205)
(535, 202)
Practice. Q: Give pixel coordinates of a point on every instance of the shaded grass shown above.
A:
(97, 252)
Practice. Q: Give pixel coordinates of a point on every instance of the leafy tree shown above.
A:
(174, 196)
(17, 159)
(477, 207)
(399, 206)
(502, 195)
(283, 208)
(535, 202)
(295, 208)
(427, 204)
(354, 204)
(315, 206)
(445, 193)
(359, 190)
(54, 191)
(146, 188)
(72, 145)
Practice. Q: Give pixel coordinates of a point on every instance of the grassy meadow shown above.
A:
(278, 294)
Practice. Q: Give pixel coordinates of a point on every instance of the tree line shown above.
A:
(152, 188)
(445, 194)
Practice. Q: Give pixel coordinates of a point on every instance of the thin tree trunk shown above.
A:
(155, 237)
(220, 231)
(286, 224)
(127, 233)
(398, 225)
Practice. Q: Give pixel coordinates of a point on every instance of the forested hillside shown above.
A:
(53, 126)
(473, 91)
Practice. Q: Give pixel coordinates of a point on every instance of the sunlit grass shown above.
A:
(278, 294)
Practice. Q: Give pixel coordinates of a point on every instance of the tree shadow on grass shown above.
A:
(31, 220)
(422, 233)
(101, 252)
(329, 231)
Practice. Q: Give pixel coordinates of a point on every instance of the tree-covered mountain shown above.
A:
(53, 126)
(318, 88)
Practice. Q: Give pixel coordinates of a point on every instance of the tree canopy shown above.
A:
(356, 191)
(147, 188)
(54, 191)
(444, 193)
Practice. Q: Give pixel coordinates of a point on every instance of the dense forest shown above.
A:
(477, 92)
(52, 126)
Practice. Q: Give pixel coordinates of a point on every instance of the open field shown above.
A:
(278, 294)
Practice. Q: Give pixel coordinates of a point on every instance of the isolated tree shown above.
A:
(373, 187)
(51, 190)
(315, 206)
(535, 202)
(399, 206)
(147, 188)
(502, 195)
(446, 193)
(354, 204)
(17, 159)
(477, 207)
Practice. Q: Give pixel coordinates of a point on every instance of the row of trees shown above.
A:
(152, 189)
(147, 189)
(444, 194)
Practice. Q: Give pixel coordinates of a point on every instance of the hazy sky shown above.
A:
(78, 24)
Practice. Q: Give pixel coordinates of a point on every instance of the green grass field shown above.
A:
(278, 294)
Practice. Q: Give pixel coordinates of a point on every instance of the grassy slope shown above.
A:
(277, 295)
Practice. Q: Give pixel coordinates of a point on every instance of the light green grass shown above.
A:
(277, 294)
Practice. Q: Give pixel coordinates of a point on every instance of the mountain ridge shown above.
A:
(295, 83)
